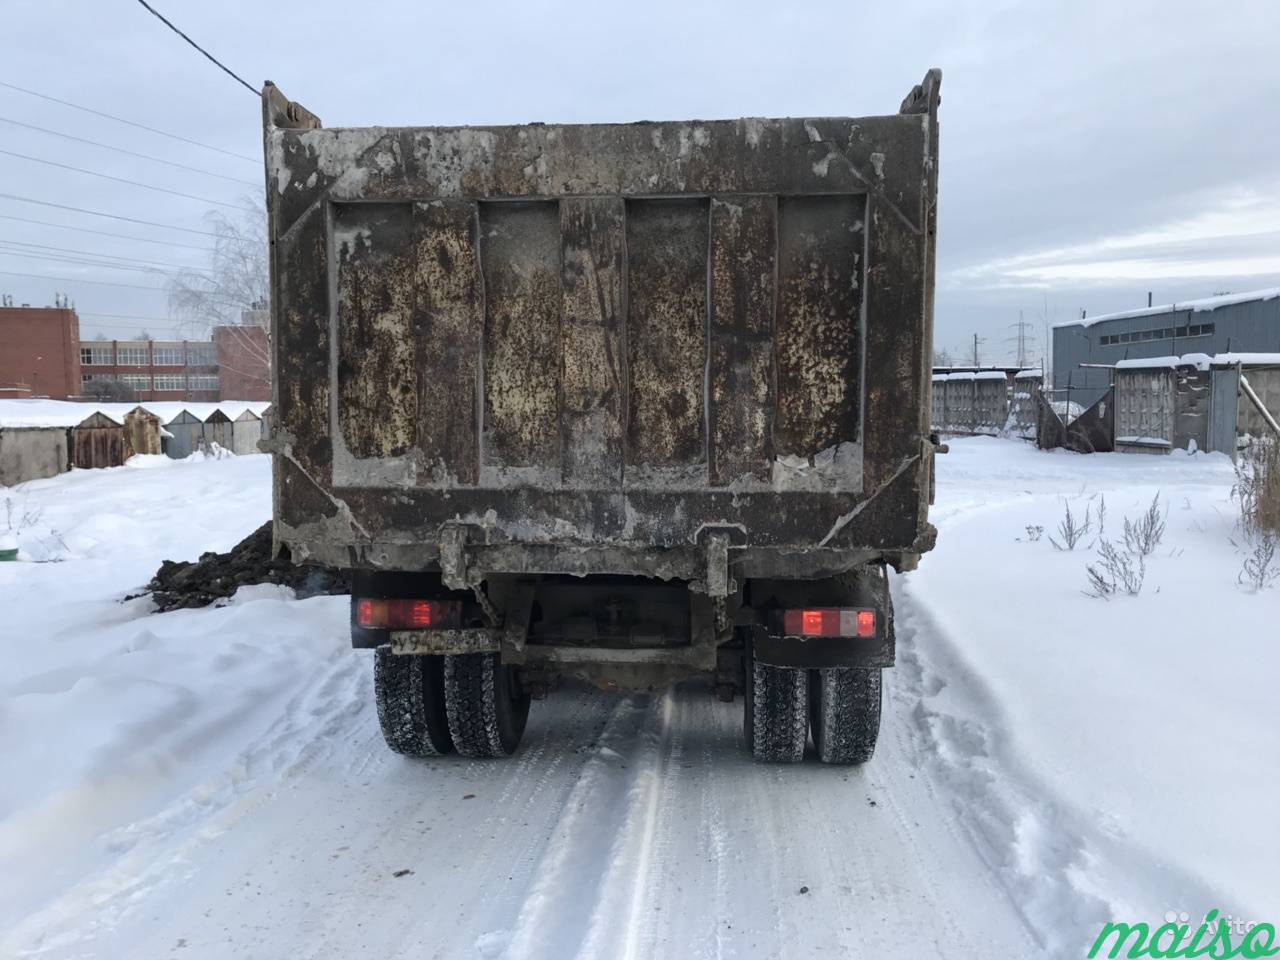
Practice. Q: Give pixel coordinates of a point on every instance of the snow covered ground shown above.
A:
(213, 784)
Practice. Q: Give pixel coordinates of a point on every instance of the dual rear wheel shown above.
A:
(430, 706)
(471, 704)
(839, 705)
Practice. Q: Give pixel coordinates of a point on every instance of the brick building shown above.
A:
(231, 366)
(243, 370)
(42, 355)
(152, 369)
(38, 352)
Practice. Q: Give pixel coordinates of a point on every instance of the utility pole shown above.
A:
(977, 340)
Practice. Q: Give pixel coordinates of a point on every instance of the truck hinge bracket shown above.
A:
(453, 557)
(457, 575)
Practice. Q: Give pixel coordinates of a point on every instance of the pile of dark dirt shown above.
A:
(216, 576)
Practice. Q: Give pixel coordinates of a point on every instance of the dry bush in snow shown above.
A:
(1142, 537)
(18, 516)
(1258, 487)
(1117, 570)
(1071, 530)
(1259, 570)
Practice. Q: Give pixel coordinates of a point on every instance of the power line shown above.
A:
(211, 58)
(129, 153)
(104, 233)
(102, 283)
(94, 253)
(125, 316)
(132, 123)
(107, 176)
(124, 326)
(78, 261)
(115, 216)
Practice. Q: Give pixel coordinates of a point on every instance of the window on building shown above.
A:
(170, 381)
(96, 356)
(202, 383)
(167, 356)
(201, 355)
(131, 356)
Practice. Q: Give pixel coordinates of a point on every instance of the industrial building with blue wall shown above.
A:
(1233, 323)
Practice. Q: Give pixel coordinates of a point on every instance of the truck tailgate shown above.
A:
(591, 344)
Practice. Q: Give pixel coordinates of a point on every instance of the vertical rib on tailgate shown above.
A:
(613, 334)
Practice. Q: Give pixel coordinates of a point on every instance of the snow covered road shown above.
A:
(213, 783)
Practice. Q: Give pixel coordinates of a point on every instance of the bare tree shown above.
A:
(233, 291)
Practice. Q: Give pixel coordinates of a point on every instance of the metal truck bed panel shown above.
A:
(589, 345)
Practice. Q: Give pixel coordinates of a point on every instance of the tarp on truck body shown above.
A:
(589, 346)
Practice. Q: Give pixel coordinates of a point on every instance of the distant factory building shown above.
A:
(1233, 323)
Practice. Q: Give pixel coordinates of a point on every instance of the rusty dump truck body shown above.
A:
(623, 403)
(591, 349)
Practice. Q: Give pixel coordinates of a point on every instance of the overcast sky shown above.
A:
(1090, 151)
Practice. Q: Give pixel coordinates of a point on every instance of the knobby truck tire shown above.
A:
(845, 713)
(409, 691)
(487, 715)
(776, 715)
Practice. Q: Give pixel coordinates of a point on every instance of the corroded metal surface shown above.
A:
(743, 276)
(97, 442)
(520, 255)
(586, 345)
(818, 325)
(377, 365)
(666, 332)
(592, 391)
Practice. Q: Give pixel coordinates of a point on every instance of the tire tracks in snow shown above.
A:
(1042, 853)
(155, 850)
(582, 839)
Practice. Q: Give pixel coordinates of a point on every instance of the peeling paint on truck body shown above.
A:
(589, 345)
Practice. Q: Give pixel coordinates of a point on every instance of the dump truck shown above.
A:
(624, 404)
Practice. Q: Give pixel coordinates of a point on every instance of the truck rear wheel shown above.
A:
(409, 691)
(486, 708)
(775, 712)
(844, 704)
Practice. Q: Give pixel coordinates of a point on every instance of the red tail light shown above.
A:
(405, 614)
(829, 622)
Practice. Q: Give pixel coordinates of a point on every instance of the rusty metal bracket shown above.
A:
(716, 581)
(719, 583)
(457, 574)
(519, 610)
(453, 557)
